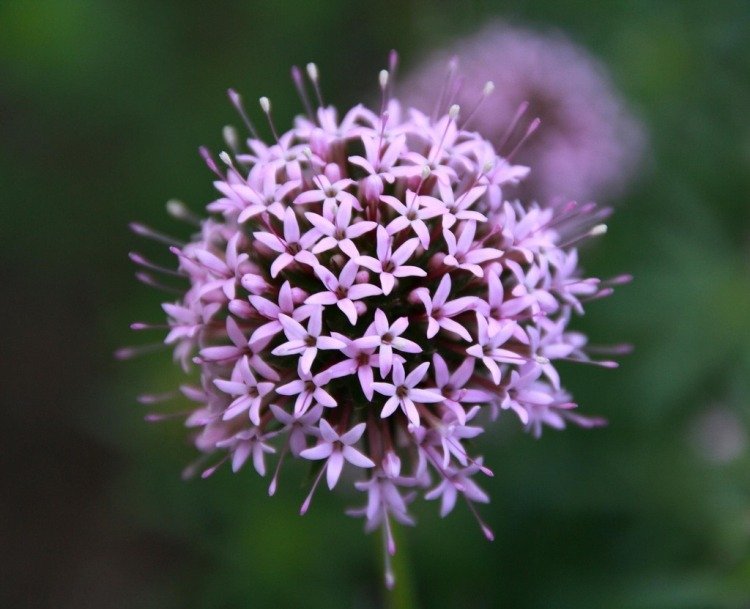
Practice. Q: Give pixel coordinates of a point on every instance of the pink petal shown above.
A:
(347, 308)
(321, 451)
(356, 458)
(389, 407)
(334, 467)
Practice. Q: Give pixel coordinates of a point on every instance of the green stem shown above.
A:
(403, 594)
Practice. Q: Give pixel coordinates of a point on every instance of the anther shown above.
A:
(312, 73)
(231, 137)
(236, 100)
(177, 209)
(265, 105)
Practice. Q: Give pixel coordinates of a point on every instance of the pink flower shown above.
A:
(488, 347)
(293, 247)
(331, 191)
(440, 310)
(413, 214)
(386, 338)
(589, 143)
(342, 292)
(249, 392)
(360, 360)
(457, 480)
(390, 264)
(336, 449)
(308, 388)
(403, 392)
(305, 342)
(463, 252)
(273, 311)
(338, 232)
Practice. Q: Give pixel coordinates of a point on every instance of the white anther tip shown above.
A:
(265, 104)
(454, 110)
(383, 79)
(312, 71)
(489, 87)
(598, 230)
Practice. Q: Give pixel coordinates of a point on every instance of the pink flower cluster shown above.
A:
(362, 295)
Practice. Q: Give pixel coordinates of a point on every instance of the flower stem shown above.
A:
(402, 595)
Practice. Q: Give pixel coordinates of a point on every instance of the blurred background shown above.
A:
(102, 107)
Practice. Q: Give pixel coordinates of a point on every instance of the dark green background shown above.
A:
(102, 107)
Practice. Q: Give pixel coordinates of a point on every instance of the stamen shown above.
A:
(145, 263)
(265, 105)
(383, 80)
(312, 73)
(591, 362)
(138, 326)
(390, 577)
(532, 127)
(621, 349)
(384, 116)
(156, 398)
(299, 84)
(618, 280)
(275, 479)
(452, 66)
(148, 280)
(231, 138)
(512, 126)
(177, 209)
(308, 499)
(144, 231)
(192, 470)
(125, 353)
(157, 417)
(206, 155)
(485, 529)
(489, 87)
(596, 231)
(208, 472)
(236, 100)
(453, 113)
(392, 65)
(226, 159)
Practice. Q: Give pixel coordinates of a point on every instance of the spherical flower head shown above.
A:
(362, 298)
(588, 145)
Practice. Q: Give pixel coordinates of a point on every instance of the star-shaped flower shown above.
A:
(413, 214)
(293, 247)
(403, 392)
(387, 338)
(337, 448)
(338, 232)
(306, 341)
(464, 254)
(389, 264)
(248, 391)
(342, 291)
(440, 310)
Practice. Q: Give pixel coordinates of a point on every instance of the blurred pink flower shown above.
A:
(588, 145)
